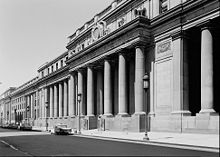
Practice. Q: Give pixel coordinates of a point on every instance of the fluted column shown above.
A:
(65, 101)
(206, 71)
(90, 92)
(60, 99)
(139, 74)
(72, 108)
(80, 89)
(55, 101)
(122, 85)
(51, 101)
(107, 89)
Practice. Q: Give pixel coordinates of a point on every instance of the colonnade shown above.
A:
(106, 108)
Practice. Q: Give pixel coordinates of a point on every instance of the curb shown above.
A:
(156, 143)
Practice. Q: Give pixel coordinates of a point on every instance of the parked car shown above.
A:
(12, 126)
(61, 129)
(25, 126)
(5, 125)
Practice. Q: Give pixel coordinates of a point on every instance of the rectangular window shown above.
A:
(48, 71)
(61, 62)
(52, 68)
(56, 66)
(163, 6)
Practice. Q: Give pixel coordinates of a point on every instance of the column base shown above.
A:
(107, 115)
(182, 112)
(123, 114)
(208, 112)
(140, 113)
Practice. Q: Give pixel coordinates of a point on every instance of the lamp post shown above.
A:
(46, 106)
(146, 87)
(79, 99)
(7, 117)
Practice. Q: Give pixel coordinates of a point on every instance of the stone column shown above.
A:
(107, 89)
(206, 71)
(51, 101)
(55, 101)
(72, 108)
(65, 101)
(46, 102)
(122, 90)
(31, 106)
(80, 90)
(60, 99)
(99, 92)
(139, 74)
(90, 92)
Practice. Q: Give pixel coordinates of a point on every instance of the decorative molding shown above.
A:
(163, 49)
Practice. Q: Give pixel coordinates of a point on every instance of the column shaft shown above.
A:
(55, 101)
(90, 92)
(107, 89)
(72, 108)
(99, 92)
(65, 101)
(60, 99)
(206, 72)
(51, 101)
(122, 86)
(139, 74)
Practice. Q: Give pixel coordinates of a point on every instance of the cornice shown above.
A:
(138, 22)
(53, 61)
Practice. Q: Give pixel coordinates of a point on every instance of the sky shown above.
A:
(33, 32)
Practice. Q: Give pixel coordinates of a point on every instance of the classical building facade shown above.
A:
(135, 57)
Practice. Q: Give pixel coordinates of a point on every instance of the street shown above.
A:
(53, 145)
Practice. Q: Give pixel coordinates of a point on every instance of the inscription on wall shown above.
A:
(163, 49)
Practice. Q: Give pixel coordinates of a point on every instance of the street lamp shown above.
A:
(46, 105)
(79, 99)
(7, 117)
(146, 87)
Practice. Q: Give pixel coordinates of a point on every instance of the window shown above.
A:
(48, 70)
(163, 6)
(52, 68)
(42, 73)
(61, 62)
(56, 66)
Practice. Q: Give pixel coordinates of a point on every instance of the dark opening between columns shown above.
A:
(194, 61)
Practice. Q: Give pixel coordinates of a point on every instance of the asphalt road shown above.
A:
(53, 145)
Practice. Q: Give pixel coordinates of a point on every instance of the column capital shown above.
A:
(205, 25)
(140, 45)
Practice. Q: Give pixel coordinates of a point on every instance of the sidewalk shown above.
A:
(206, 142)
